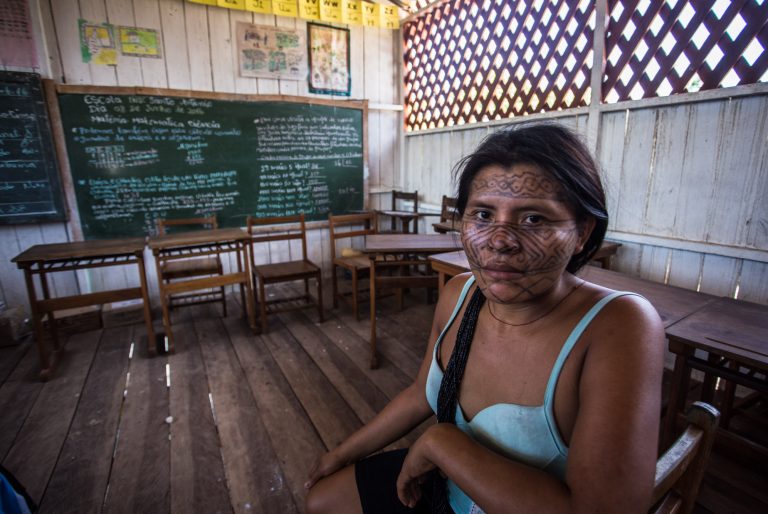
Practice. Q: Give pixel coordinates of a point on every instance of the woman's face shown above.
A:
(518, 232)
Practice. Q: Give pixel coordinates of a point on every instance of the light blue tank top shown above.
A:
(524, 433)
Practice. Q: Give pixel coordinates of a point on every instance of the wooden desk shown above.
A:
(405, 217)
(196, 244)
(42, 260)
(732, 335)
(400, 252)
(444, 227)
(672, 303)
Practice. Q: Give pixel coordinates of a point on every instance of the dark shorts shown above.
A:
(376, 478)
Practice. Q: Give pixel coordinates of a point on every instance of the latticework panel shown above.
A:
(659, 48)
(469, 61)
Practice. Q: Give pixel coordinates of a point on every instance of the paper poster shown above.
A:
(17, 45)
(351, 12)
(330, 10)
(309, 9)
(204, 2)
(271, 52)
(328, 60)
(388, 17)
(370, 14)
(285, 8)
(232, 4)
(259, 6)
(138, 42)
(97, 43)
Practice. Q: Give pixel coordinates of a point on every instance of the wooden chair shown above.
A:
(356, 263)
(286, 271)
(680, 470)
(397, 197)
(192, 267)
(449, 216)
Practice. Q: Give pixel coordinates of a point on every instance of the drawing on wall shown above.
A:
(328, 60)
(139, 42)
(271, 52)
(97, 43)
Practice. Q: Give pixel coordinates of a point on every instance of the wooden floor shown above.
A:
(231, 421)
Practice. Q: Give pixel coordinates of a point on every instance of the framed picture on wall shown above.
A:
(328, 60)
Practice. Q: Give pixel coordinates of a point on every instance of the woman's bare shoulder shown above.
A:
(448, 298)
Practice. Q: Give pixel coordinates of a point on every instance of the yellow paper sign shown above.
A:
(388, 17)
(232, 4)
(370, 14)
(309, 9)
(351, 12)
(285, 8)
(205, 2)
(330, 10)
(260, 6)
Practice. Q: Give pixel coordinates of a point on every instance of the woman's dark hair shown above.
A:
(559, 152)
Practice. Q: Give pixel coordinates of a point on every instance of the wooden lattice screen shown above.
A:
(468, 61)
(659, 48)
(479, 60)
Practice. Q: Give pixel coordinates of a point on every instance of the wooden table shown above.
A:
(400, 252)
(444, 227)
(42, 260)
(197, 244)
(672, 303)
(725, 339)
(405, 217)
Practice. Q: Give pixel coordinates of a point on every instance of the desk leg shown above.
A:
(164, 304)
(374, 363)
(681, 377)
(51, 316)
(249, 300)
(151, 342)
(440, 282)
(37, 324)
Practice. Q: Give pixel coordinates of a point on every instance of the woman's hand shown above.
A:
(415, 468)
(325, 465)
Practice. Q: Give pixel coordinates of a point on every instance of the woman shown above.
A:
(546, 387)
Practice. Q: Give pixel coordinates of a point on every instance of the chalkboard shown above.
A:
(29, 179)
(136, 157)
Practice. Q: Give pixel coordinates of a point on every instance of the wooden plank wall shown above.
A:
(198, 54)
(686, 182)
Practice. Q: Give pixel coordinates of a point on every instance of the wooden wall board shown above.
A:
(609, 155)
(120, 13)
(719, 275)
(298, 448)
(198, 46)
(331, 415)
(685, 269)
(37, 445)
(140, 481)
(753, 282)
(254, 473)
(175, 52)
(147, 13)
(198, 482)
(80, 478)
(18, 394)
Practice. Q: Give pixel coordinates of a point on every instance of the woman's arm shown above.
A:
(612, 451)
(405, 412)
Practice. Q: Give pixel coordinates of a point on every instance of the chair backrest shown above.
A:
(448, 210)
(259, 234)
(362, 224)
(680, 470)
(186, 223)
(405, 196)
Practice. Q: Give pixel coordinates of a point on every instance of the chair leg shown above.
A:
(354, 295)
(335, 287)
(320, 298)
(263, 306)
(224, 301)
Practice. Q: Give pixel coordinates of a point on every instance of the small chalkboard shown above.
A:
(29, 180)
(138, 157)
